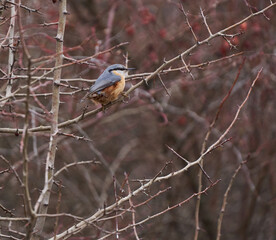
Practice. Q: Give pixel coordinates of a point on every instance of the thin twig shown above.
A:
(197, 210)
(178, 155)
(24, 7)
(188, 23)
(57, 210)
(187, 68)
(6, 210)
(75, 164)
(25, 137)
(163, 84)
(132, 209)
(205, 22)
(116, 200)
(13, 169)
(223, 207)
(162, 212)
(185, 160)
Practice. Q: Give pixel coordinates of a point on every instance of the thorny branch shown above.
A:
(23, 93)
(197, 227)
(222, 211)
(131, 89)
(100, 213)
(162, 212)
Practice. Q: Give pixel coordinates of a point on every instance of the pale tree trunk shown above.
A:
(42, 203)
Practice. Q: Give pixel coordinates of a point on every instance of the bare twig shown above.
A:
(75, 164)
(15, 231)
(13, 169)
(9, 237)
(25, 136)
(163, 212)
(223, 207)
(185, 160)
(164, 86)
(75, 137)
(152, 197)
(24, 7)
(132, 209)
(197, 228)
(188, 23)
(110, 20)
(116, 215)
(178, 155)
(227, 130)
(57, 209)
(48, 24)
(187, 68)
(205, 22)
(138, 75)
(6, 210)
(15, 219)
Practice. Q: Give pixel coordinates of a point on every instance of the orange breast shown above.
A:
(110, 93)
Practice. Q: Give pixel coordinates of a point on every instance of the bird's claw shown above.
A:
(124, 97)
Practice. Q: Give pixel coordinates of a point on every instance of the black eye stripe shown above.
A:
(121, 69)
(115, 69)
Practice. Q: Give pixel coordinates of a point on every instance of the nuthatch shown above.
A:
(109, 85)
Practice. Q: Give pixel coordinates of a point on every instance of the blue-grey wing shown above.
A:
(104, 81)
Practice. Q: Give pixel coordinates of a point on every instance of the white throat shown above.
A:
(121, 73)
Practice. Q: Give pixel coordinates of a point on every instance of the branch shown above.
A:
(148, 78)
(106, 210)
(75, 164)
(25, 136)
(13, 169)
(162, 212)
(11, 58)
(132, 208)
(60, 67)
(197, 228)
(24, 7)
(205, 22)
(42, 203)
(188, 23)
(134, 76)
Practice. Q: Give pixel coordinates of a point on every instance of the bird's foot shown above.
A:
(124, 97)
(104, 107)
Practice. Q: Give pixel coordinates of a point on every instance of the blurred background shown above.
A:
(132, 137)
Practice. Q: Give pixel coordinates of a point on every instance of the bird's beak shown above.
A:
(131, 69)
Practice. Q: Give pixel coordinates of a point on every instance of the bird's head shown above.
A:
(119, 69)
